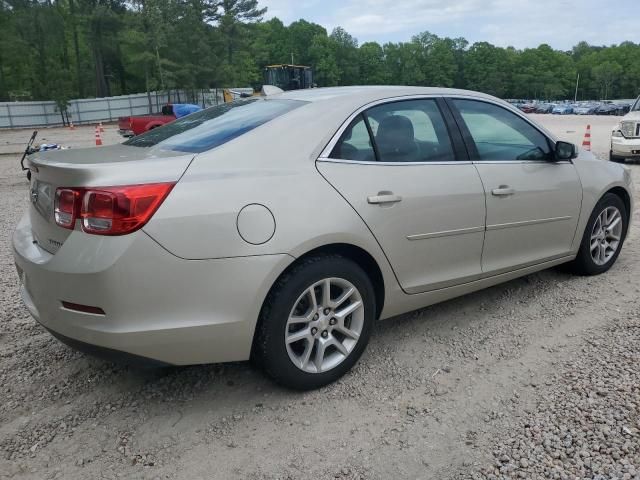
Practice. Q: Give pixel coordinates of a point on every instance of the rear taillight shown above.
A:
(109, 210)
(65, 211)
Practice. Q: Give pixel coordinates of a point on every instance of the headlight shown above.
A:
(627, 128)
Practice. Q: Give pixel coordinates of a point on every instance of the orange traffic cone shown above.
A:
(101, 127)
(98, 137)
(71, 127)
(586, 143)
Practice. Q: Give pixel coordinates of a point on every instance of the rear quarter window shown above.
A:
(210, 128)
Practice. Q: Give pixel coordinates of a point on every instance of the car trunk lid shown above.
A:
(103, 167)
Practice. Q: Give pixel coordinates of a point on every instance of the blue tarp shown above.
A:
(182, 109)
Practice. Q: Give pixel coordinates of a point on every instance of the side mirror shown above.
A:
(565, 151)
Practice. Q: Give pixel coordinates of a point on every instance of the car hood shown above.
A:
(632, 116)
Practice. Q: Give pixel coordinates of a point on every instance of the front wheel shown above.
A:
(316, 322)
(603, 236)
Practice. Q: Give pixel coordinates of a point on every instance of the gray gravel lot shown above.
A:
(535, 378)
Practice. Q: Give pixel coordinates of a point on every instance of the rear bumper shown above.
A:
(625, 147)
(156, 305)
(125, 133)
(108, 354)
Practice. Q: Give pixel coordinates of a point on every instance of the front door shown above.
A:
(396, 165)
(533, 202)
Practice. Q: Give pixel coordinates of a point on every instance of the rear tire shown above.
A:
(603, 237)
(305, 339)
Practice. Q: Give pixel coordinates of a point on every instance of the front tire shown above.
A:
(316, 322)
(603, 237)
(614, 158)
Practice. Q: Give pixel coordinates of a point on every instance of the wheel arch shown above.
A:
(624, 196)
(363, 258)
(359, 255)
(626, 199)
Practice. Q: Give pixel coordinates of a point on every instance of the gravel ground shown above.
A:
(535, 378)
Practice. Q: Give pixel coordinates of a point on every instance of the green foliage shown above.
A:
(63, 49)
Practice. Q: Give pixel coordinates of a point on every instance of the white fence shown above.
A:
(93, 110)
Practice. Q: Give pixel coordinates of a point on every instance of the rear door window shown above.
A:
(410, 131)
(210, 128)
(355, 143)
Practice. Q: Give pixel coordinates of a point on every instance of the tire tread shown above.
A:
(261, 356)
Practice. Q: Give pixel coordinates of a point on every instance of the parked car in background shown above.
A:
(562, 109)
(607, 108)
(544, 107)
(623, 108)
(585, 109)
(528, 108)
(182, 245)
(625, 138)
(137, 124)
(518, 103)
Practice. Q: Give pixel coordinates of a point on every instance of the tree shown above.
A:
(606, 74)
(487, 69)
(437, 59)
(371, 64)
(300, 42)
(402, 63)
(62, 49)
(322, 56)
(232, 16)
(345, 49)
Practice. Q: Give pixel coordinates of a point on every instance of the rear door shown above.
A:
(408, 177)
(533, 201)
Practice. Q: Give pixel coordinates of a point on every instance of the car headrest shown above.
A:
(395, 129)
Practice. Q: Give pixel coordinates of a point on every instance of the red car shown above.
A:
(528, 108)
(137, 124)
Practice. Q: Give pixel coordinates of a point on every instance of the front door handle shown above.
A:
(384, 197)
(503, 191)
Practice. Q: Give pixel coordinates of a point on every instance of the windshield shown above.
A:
(214, 126)
(636, 106)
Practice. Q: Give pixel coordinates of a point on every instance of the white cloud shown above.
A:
(393, 16)
(520, 23)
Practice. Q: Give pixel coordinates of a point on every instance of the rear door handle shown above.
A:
(503, 191)
(384, 197)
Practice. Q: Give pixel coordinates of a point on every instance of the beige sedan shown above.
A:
(280, 228)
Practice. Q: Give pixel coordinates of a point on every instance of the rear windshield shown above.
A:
(214, 126)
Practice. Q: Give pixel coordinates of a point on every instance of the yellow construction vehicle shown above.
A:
(288, 77)
(284, 77)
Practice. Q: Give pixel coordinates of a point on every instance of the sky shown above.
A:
(517, 23)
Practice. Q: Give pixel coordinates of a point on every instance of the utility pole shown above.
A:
(292, 59)
(159, 68)
(577, 83)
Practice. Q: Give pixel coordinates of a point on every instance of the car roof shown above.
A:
(333, 106)
(360, 95)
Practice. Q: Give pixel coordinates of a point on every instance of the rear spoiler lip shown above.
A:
(131, 171)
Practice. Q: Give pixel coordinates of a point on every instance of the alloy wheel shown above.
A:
(606, 235)
(324, 325)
